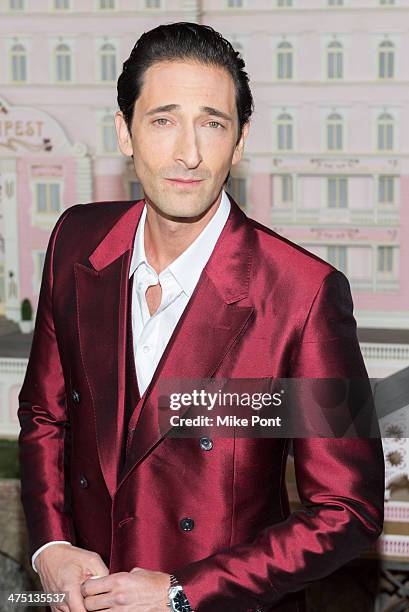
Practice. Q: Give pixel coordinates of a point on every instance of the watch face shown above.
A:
(180, 602)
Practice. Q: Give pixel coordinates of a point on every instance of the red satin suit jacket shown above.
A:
(263, 307)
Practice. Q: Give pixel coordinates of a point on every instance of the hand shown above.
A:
(64, 568)
(136, 591)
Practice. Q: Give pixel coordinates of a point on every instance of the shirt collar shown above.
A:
(188, 267)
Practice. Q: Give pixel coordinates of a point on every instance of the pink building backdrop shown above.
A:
(326, 164)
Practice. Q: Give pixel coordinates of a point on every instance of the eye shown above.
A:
(215, 124)
(160, 120)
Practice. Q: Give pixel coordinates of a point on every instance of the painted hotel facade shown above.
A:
(327, 160)
(326, 163)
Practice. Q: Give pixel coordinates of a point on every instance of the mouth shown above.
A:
(184, 182)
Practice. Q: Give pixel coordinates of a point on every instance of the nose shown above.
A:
(187, 151)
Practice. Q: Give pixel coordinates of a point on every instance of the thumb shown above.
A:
(96, 567)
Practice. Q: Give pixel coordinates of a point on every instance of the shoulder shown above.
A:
(81, 227)
(99, 211)
(289, 280)
(95, 218)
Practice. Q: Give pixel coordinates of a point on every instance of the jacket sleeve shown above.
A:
(44, 423)
(340, 484)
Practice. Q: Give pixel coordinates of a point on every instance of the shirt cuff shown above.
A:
(37, 552)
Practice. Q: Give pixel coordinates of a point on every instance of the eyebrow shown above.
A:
(204, 109)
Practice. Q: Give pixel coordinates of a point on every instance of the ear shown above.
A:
(123, 135)
(238, 151)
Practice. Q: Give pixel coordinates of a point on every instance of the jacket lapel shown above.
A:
(216, 315)
(102, 296)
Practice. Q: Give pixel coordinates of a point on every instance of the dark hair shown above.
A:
(183, 40)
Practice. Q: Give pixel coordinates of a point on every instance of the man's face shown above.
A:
(185, 127)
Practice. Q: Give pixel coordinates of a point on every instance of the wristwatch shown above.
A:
(178, 602)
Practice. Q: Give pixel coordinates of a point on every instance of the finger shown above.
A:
(98, 602)
(94, 586)
(75, 601)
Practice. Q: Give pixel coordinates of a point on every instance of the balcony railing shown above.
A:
(386, 352)
(13, 366)
(329, 216)
(375, 284)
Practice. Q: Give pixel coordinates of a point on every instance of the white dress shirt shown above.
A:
(178, 281)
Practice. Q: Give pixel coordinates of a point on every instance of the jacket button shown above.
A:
(83, 482)
(75, 396)
(206, 444)
(187, 524)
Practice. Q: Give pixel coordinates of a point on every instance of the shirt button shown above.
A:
(187, 524)
(146, 348)
(75, 396)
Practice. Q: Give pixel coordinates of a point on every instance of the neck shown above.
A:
(166, 239)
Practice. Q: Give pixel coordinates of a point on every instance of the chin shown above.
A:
(182, 209)
(184, 213)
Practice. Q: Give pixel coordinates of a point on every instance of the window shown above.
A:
(17, 5)
(61, 5)
(335, 2)
(335, 60)
(108, 62)
(386, 190)
(337, 195)
(385, 132)
(152, 3)
(286, 188)
(109, 140)
(337, 256)
(18, 63)
(285, 61)
(107, 4)
(237, 188)
(235, 3)
(334, 132)
(386, 60)
(285, 132)
(48, 197)
(385, 259)
(135, 190)
(284, 3)
(63, 63)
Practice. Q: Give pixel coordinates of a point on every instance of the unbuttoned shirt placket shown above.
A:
(152, 334)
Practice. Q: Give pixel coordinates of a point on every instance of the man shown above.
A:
(183, 284)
